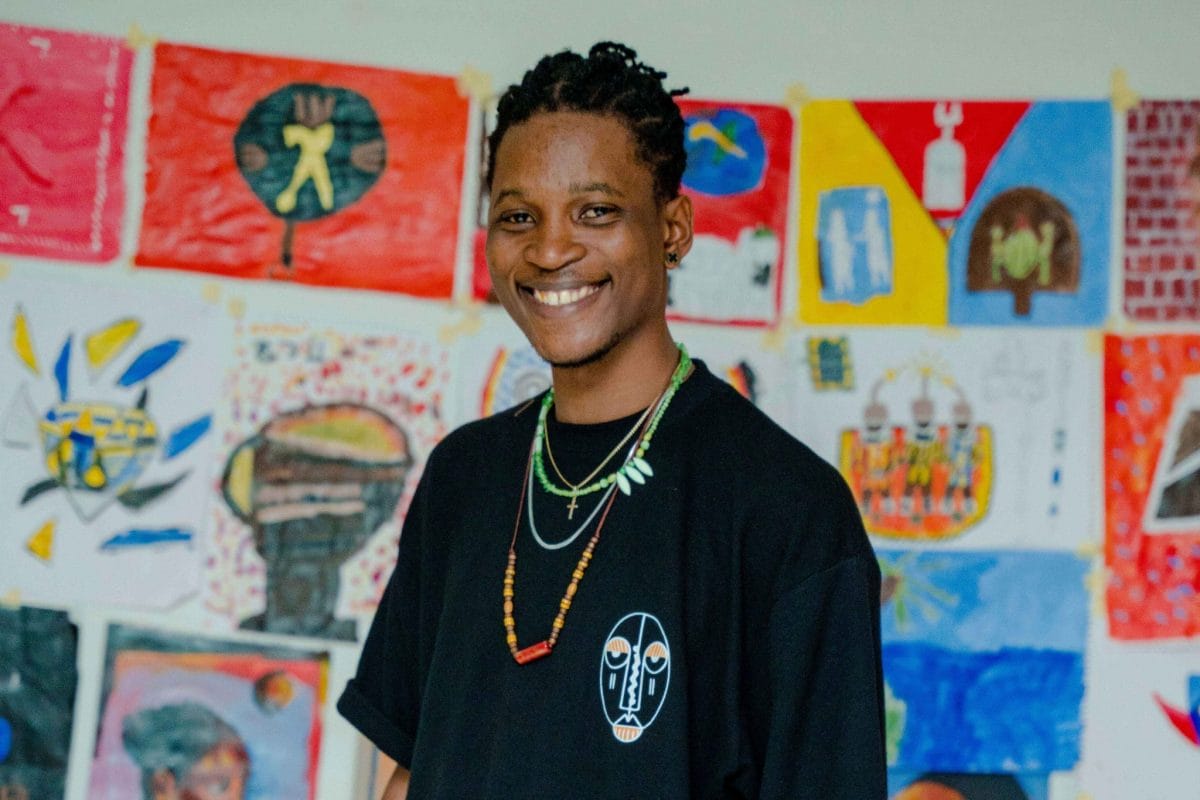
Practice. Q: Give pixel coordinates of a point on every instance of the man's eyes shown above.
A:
(516, 218)
(598, 212)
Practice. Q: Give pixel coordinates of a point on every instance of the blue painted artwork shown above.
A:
(725, 153)
(854, 244)
(983, 786)
(1033, 245)
(984, 651)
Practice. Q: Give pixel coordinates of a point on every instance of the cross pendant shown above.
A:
(571, 506)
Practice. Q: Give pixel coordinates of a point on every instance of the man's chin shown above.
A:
(583, 357)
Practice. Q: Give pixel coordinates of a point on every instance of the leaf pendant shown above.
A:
(642, 466)
(623, 484)
(633, 474)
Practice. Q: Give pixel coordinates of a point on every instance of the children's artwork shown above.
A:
(738, 170)
(984, 439)
(1162, 211)
(324, 435)
(983, 658)
(104, 442)
(184, 716)
(1152, 477)
(972, 212)
(37, 701)
(738, 358)
(64, 99)
(264, 167)
(966, 786)
(830, 365)
(517, 375)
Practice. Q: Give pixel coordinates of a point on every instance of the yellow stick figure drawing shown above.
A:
(313, 134)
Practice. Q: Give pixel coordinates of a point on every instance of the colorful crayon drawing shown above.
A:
(181, 714)
(516, 375)
(739, 162)
(106, 436)
(325, 435)
(986, 438)
(1185, 720)
(985, 650)
(925, 478)
(968, 212)
(38, 675)
(1162, 211)
(64, 100)
(967, 786)
(300, 170)
(1152, 415)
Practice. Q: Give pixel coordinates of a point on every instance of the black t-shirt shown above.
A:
(723, 643)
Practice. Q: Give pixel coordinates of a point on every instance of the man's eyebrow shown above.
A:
(596, 186)
(506, 193)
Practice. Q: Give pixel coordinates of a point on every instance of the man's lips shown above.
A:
(562, 296)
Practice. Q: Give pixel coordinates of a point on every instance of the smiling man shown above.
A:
(635, 585)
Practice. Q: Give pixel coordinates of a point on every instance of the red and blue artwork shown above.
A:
(739, 159)
(983, 659)
(64, 100)
(1185, 720)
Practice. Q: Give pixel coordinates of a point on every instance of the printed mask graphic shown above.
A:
(635, 670)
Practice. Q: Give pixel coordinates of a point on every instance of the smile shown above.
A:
(564, 297)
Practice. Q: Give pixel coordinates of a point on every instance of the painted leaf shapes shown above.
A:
(186, 435)
(150, 361)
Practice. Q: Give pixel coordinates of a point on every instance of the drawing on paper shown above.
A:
(326, 434)
(314, 485)
(924, 476)
(1162, 211)
(739, 157)
(64, 100)
(1185, 720)
(37, 700)
(742, 377)
(308, 151)
(829, 363)
(1024, 242)
(1174, 501)
(985, 651)
(967, 786)
(855, 244)
(182, 716)
(95, 451)
(516, 375)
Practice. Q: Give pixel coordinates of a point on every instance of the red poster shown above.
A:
(1152, 485)
(64, 99)
(319, 173)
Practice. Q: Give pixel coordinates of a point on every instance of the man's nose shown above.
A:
(553, 246)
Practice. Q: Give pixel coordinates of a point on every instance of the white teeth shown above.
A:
(563, 297)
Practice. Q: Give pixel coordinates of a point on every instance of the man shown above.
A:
(636, 585)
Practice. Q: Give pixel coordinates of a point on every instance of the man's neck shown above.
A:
(626, 380)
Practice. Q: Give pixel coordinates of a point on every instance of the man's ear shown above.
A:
(677, 229)
(162, 784)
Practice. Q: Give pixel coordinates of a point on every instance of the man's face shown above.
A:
(576, 236)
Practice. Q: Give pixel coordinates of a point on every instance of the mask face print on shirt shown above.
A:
(635, 669)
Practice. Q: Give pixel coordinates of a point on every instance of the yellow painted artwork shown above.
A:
(869, 252)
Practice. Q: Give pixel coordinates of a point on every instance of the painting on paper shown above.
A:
(263, 167)
(324, 435)
(925, 212)
(104, 441)
(966, 786)
(1162, 211)
(64, 102)
(983, 659)
(985, 439)
(738, 169)
(1152, 484)
(37, 701)
(181, 715)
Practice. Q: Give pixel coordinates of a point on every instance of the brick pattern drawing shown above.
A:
(1162, 211)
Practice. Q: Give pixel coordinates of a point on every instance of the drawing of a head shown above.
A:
(186, 752)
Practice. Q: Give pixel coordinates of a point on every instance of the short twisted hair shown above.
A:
(609, 81)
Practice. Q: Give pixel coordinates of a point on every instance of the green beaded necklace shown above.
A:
(635, 469)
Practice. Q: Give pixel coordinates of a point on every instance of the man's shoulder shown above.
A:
(488, 436)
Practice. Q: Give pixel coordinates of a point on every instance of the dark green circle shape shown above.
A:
(354, 122)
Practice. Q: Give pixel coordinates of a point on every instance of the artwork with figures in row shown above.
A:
(738, 170)
(982, 212)
(983, 659)
(186, 716)
(104, 441)
(986, 439)
(319, 173)
(64, 106)
(323, 435)
(38, 676)
(1162, 211)
(1152, 485)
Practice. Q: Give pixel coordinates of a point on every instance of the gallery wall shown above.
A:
(1002, 362)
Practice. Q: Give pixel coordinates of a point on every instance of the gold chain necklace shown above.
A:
(576, 486)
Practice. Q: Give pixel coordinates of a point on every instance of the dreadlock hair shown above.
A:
(609, 81)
